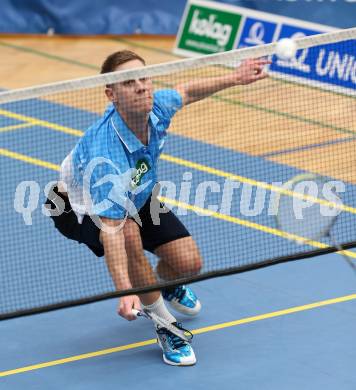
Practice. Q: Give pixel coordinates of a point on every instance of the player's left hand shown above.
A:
(251, 70)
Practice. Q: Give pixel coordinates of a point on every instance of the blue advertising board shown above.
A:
(256, 32)
(333, 64)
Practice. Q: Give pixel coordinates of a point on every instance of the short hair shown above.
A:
(119, 58)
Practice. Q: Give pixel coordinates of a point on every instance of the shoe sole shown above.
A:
(173, 363)
(178, 364)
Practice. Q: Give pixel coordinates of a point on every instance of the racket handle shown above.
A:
(136, 312)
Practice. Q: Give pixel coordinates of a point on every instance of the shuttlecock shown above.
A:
(286, 49)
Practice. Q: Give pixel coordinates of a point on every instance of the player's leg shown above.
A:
(175, 350)
(179, 258)
(168, 238)
(140, 271)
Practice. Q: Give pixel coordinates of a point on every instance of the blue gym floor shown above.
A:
(284, 327)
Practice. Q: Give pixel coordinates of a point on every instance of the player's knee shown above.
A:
(197, 264)
(191, 265)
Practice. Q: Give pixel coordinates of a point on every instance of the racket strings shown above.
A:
(186, 332)
(176, 341)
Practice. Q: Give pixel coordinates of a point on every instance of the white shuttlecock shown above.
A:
(286, 49)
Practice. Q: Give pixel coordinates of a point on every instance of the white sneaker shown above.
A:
(182, 299)
(176, 351)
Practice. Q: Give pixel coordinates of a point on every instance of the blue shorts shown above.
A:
(169, 229)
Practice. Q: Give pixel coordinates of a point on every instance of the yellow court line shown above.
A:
(206, 329)
(77, 357)
(278, 313)
(252, 225)
(39, 122)
(15, 127)
(190, 164)
(29, 160)
(252, 182)
(224, 217)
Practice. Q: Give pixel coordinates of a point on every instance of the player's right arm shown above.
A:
(113, 240)
(247, 72)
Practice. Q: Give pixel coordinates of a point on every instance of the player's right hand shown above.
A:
(126, 305)
(251, 70)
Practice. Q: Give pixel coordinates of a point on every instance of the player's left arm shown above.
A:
(249, 71)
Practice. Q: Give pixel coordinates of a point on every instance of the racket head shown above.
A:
(342, 252)
(162, 323)
(305, 216)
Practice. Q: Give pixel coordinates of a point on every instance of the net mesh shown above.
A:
(222, 169)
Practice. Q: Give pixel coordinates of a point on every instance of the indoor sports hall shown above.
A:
(262, 173)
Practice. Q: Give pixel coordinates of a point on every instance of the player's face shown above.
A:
(132, 96)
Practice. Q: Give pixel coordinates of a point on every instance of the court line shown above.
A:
(216, 96)
(47, 55)
(39, 122)
(149, 48)
(287, 115)
(284, 81)
(308, 147)
(252, 182)
(14, 127)
(28, 159)
(148, 342)
(224, 325)
(189, 164)
(251, 225)
(267, 110)
(224, 217)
